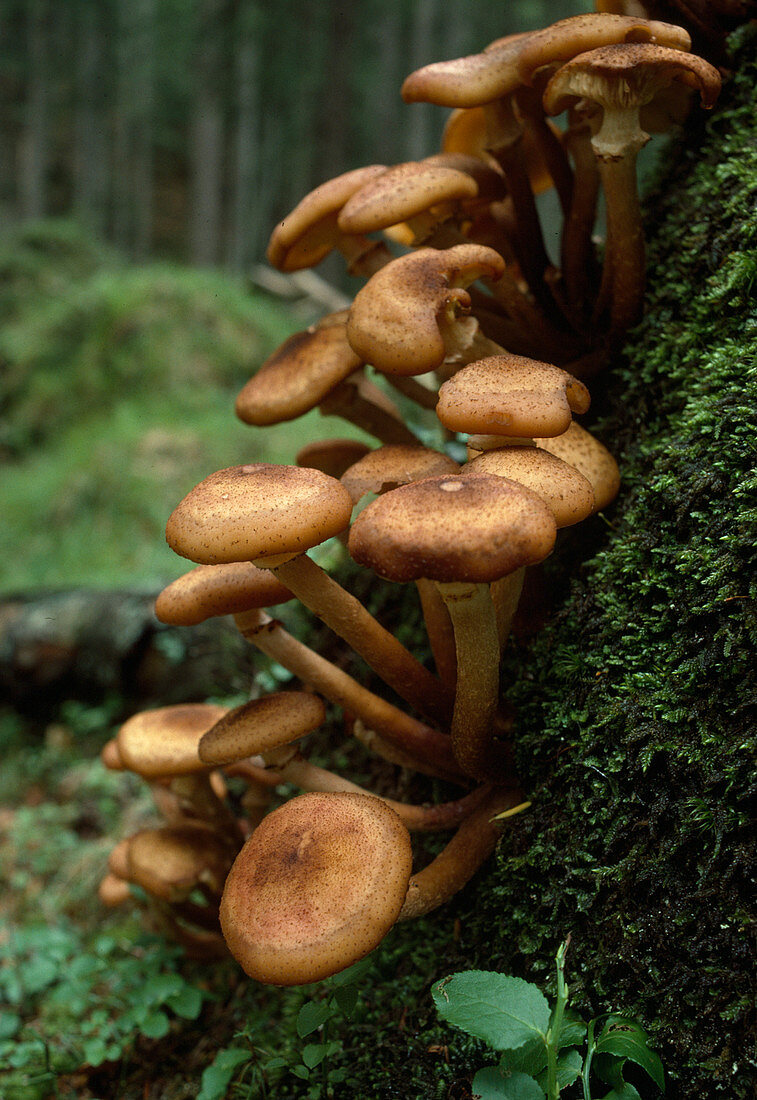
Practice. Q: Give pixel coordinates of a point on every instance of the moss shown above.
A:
(638, 701)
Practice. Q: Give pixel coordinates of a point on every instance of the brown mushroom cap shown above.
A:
(171, 861)
(394, 322)
(580, 449)
(298, 376)
(163, 742)
(262, 724)
(331, 456)
(113, 891)
(473, 529)
(468, 81)
(564, 39)
(316, 887)
(511, 395)
(393, 465)
(310, 231)
(402, 192)
(248, 512)
(566, 492)
(211, 590)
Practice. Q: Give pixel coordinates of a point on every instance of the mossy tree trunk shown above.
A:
(637, 703)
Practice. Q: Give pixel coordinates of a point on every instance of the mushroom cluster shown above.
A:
(484, 339)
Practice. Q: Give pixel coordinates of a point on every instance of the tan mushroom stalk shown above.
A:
(622, 79)
(385, 469)
(318, 368)
(316, 887)
(429, 750)
(271, 515)
(491, 529)
(241, 589)
(310, 232)
(267, 727)
(456, 864)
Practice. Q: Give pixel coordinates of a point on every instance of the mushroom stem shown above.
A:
(477, 645)
(439, 629)
(624, 270)
(473, 842)
(347, 617)
(506, 596)
(579, 261)
(353, 401)
(291, 767)
(430, 748)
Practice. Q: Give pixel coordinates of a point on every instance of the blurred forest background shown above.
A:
(187, 128)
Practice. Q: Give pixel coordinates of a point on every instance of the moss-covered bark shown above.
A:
(638, 704)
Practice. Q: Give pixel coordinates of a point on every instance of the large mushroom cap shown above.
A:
(393, 465)
(316, 887)
(262, 724)
(169, 862)
(567, 492)
(453, 529)
(163, 742)
(255, 511)
(402, 192)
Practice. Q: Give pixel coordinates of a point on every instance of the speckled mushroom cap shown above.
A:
(392, 465)
(171, 861)
(581, 449)
(262, 724)
(468, 81)
(511, 395)
(564, 490)
(394, 322)
(212, 590)
(558, 43)
(402, 192)
(475, 529)
(163, 742)
(316, 887)
(310, 231)
(256, 511)
(298, 376)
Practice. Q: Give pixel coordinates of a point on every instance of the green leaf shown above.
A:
(609, 1069)
(531, 1058)
(155, 1025)
(504, 1011)
(628, 1092)
(311, 1016)
(37, 974)
(495, 1083)
(187, 1003)
(216, 1077)
(569, 1066)
(346, 998)
(627, 1039)
(95, 1052)
(572, 1031)
(313, 1054)
(301, 1071)
(10, 1022)
(352, 973)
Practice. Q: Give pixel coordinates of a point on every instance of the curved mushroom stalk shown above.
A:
(471, 845)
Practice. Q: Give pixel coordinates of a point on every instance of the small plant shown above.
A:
(337, 996)
(539, 1047)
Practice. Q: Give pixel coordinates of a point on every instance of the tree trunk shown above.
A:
(34, 152)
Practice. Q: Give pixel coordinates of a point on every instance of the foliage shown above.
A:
(539, 1048)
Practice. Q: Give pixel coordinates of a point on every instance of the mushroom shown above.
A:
(511, 395)
(314, 369)
(270, 515)
(491, 527)
(310, 232)
(407, 318)
(209, 591)
(622, 79)
(316, 887)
